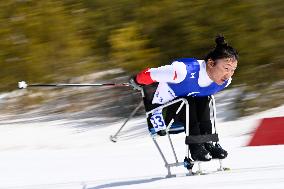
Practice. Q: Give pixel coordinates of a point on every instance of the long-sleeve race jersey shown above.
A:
(184, 77)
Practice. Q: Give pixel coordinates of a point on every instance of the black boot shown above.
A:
(199, 153)
(216, 151)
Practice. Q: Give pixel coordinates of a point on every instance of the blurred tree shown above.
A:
(57, 39)
(130, 51)
(42, 41)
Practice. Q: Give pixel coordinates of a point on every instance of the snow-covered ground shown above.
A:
(40, 154)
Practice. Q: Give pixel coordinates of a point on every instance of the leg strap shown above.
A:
(201, 138)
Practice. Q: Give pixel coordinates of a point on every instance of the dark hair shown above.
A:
(222, 50)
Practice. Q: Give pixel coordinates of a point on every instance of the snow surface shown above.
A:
(36, 154)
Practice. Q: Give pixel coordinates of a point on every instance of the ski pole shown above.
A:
(24, 85)
(113, 138)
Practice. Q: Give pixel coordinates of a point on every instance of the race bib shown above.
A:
(157, 121)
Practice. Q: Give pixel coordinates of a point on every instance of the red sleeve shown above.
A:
(144, 77)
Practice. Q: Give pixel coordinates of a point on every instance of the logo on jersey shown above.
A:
(192, 75)
(192, 93)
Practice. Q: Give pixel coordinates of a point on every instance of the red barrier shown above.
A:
(270, 132)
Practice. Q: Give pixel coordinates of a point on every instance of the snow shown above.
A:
(38, 154)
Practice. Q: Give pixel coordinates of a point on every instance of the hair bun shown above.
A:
(220, 40)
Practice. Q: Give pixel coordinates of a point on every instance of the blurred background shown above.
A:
(96, 41)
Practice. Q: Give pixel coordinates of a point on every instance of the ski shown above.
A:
(198, 173)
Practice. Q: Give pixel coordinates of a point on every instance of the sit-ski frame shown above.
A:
(189, 164)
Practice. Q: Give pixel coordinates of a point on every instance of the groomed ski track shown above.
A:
(59, 155)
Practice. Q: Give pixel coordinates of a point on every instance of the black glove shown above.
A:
(134, 84)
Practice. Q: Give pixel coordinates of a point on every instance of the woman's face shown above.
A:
(221, 70)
